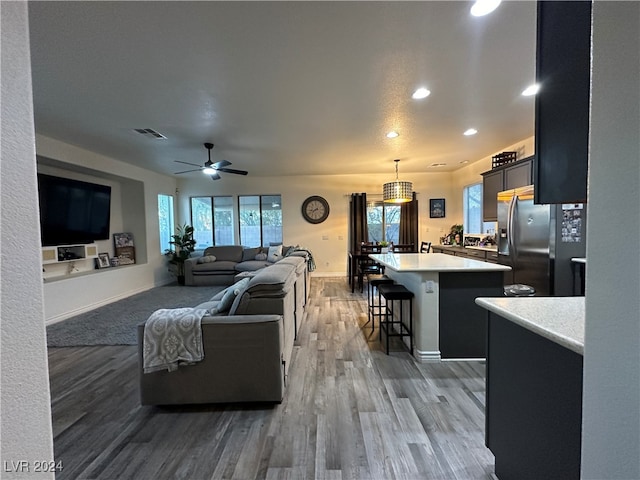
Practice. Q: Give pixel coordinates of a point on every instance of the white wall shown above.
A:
(25, 430)
(611, 414)
(328, 241)
(79, 293)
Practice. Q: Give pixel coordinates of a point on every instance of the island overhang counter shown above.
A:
(447, 322)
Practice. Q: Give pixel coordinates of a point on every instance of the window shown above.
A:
(212, 220)
(472, 210)
(383, 222)
(260, 220)
(165, 221)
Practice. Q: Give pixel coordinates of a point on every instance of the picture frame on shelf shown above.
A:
(437, 208)
(124, 239)
(103, 260)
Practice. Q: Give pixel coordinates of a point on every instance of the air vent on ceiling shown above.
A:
(438, 165)
(149, 132)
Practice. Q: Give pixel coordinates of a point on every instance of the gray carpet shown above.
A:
(115, 324)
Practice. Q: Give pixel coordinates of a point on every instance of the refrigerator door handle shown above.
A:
(511, 229)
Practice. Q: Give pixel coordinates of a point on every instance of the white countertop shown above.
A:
(559, 319)
(434, 262)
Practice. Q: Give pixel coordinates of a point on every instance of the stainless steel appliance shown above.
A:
(538, 241)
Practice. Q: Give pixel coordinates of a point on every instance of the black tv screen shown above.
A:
(72, 212)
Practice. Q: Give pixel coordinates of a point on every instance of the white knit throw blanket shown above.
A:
(173, 337)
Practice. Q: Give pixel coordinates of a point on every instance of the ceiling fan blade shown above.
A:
(221, 164)
(231, 170)
(187, 163)
(187, 171)
(214, 176)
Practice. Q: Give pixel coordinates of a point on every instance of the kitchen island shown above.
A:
(533, 410)
(447, 322)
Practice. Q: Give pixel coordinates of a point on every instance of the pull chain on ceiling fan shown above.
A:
(211, 168)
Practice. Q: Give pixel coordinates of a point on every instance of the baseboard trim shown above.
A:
(427, 356)
(106, 301)
(329, 274)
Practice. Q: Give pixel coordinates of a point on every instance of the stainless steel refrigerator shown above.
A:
(538, 241)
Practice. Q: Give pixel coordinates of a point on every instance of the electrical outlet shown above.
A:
(429, 286)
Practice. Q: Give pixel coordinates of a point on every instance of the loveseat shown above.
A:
(247, 348)
(220, 264)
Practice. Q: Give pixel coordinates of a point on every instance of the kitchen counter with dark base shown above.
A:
(447, 322)
(533, 407)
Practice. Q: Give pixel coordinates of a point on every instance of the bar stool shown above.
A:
(392, 294)
(375, 309)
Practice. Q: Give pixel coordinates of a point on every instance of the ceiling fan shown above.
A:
(212, 168)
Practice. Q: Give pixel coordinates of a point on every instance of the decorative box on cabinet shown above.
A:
(563, 71)
(513, 175)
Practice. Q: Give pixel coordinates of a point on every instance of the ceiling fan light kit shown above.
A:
(212, 168)
(397, 191)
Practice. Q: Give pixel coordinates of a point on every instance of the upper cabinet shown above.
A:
(509, 176)
(562, 104)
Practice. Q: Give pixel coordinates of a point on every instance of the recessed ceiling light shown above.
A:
(484, 7)
(470, 131)
(531, 90)
(392, 134)
(421, 93)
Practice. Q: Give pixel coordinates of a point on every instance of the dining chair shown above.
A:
(367, 265)
(425, 247)
(403, 248)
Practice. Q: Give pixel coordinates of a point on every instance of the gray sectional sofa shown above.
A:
(248, 348)
(219, 265)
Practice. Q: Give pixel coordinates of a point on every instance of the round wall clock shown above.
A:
(315, 209)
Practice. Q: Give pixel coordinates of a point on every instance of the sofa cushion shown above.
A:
(251, 265)
(219, 266)
(230, 253)
(250, 253)
(275, 279)
(261, 256)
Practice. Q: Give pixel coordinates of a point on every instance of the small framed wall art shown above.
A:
(436, 208)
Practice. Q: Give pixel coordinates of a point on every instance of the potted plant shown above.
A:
(385, 246)
(183, 245)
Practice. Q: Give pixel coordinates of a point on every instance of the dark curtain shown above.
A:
(357, 221)
(409, 222)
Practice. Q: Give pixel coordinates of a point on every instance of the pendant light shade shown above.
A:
(397, 192)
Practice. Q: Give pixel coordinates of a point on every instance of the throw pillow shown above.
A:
(230, 295)
(227, 299)
(275, 254)
(250, 253)
(261, 257)
(207, 259)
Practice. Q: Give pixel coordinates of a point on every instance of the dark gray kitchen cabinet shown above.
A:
(510, 176)
(563, 63)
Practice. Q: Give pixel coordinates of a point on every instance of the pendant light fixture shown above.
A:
(397, 192)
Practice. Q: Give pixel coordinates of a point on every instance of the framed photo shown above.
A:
(436, 208)
(123, 239)
(126, 255)
(103, 260)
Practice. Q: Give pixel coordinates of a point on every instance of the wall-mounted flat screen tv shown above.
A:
(72, 212)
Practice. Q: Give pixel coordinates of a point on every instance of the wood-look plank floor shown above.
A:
(350, 412)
